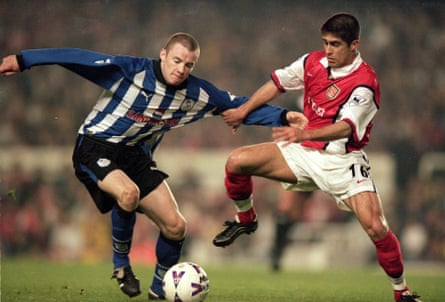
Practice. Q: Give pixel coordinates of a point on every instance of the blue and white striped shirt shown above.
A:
(137, 106)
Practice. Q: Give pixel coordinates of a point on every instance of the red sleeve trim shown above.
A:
(277, 82)
(354, 131)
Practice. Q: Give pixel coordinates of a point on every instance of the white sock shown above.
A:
(398, 283)
(244, 204)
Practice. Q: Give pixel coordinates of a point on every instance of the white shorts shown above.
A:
(340, 175)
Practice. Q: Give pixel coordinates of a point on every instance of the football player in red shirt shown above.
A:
(341, 98)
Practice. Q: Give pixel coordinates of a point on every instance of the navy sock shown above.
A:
(122, 224)
(168, 253)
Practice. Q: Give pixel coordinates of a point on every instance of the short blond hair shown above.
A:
(185, 39)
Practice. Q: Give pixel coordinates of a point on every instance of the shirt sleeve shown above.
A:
(290, 77)
(266, 115)
(102, 69)
(359, 110)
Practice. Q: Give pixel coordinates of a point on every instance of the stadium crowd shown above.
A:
(241, 44)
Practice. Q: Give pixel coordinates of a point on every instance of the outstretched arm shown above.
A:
(102, 69)
(9, 65)
(264, 94)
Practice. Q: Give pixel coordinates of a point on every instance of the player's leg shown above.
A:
(263, 160)
(112, 190)
(368, 209)
(289, 211)
(123, 217)
(161, 207)
(122, 224)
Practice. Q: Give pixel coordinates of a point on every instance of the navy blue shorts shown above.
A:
(94, 158)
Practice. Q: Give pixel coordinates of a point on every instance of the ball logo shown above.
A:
(197, 288)
(177, 277)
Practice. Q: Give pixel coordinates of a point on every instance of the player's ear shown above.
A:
(163, 54)
(355, 44)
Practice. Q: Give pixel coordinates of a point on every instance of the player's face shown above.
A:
(338, 52)
(177, 63)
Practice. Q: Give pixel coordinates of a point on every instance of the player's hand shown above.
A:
(294, 132)
(9, 65)
(296, 119)
(288, 134)
(234, 118)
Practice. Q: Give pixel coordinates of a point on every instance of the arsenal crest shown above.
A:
(332, 91)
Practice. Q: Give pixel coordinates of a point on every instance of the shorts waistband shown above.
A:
(121, 147)
(103, 142)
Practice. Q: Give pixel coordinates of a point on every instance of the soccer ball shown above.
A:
(185, 282)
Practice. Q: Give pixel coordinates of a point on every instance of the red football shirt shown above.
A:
(350, 94)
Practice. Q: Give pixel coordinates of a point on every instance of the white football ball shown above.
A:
(185, 282)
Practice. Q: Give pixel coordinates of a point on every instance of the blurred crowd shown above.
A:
(242, 42)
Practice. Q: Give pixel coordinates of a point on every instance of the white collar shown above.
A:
(345, 70)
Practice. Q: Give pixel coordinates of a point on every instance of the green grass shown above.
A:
(27, 280)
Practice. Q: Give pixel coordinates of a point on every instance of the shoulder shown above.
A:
(313, 59)
(195, 82)
(315, 56)
(130, 65)
(202, 89)
(367, 74)
(131, 60)
(365, 67)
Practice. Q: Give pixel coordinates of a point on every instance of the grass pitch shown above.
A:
(28, 280)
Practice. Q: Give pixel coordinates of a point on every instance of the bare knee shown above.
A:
(368, 209)
(175, 231)
(236, 161)
(129, 198)
(376, 229)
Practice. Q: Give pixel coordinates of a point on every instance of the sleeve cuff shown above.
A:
(283, 117)
(20, 62)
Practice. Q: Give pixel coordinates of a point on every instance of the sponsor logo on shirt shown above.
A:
(316, 108)
(157, 121)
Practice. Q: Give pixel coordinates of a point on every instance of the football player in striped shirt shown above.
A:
(143, 98)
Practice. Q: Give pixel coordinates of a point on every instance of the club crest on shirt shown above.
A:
(103, 162)
(332, 91)
(187, 105)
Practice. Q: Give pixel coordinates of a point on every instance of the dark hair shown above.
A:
(185, 39)
(344, 26)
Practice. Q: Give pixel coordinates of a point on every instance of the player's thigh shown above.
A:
(264, 160)
(160, 206)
